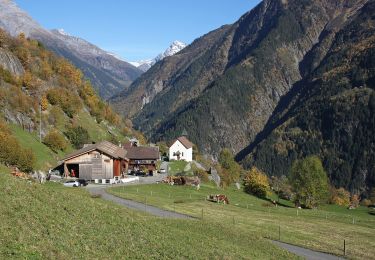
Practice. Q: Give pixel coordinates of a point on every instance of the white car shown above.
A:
(72, 183)
(163, 171)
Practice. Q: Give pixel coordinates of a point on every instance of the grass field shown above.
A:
(323, 230)
(52, 222)
(175, 167)
(45, 157)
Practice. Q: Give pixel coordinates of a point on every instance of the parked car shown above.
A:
(72, 183)
(163, 171)
(83, 182)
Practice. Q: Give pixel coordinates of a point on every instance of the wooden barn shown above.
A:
(103, 160)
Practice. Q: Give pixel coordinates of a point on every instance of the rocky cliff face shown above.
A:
(108, 74)
(10, 62)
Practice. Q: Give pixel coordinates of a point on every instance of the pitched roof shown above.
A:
(142, 153)
(104, 147)
(185, 142)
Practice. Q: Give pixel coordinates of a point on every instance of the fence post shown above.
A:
(279, 233)
(344, 247)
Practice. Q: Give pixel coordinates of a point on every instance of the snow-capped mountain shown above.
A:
(108, 73)
(174, 48)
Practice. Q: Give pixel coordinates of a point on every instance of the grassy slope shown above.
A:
(322, 230)
(176, 167)
(50, 221)
(45, 157)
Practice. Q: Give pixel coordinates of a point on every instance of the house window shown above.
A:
(182, 153)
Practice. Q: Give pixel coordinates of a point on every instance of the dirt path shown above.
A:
(306, 253)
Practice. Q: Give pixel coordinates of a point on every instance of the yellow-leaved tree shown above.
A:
(44, 103)
(256, 183)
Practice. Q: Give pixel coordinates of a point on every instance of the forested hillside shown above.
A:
(45, 96)
(331, 113)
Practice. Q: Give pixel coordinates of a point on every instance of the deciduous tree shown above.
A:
(309, 182)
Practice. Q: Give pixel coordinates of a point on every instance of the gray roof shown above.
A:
(105, 147)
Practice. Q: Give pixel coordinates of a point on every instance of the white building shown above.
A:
(181, 149)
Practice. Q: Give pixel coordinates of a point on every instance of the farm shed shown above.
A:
(103, 160)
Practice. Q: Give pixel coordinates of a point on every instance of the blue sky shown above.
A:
(136, 29)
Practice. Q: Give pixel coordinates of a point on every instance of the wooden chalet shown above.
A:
(142, 157)
(103, 160)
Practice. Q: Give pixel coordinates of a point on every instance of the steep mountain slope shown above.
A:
(331, 112)
(107, 73)
(172, 72)
(224, 93)
(43, 96)
(145, 65)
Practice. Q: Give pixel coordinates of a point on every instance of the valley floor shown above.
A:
(322, 230)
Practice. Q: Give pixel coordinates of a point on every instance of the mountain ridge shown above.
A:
(107, 73)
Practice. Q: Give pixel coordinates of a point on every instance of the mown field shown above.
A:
(323, 230)
(52, 222)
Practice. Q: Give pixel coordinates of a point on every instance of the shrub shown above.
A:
(366, 202)
(78, 136)
(256, 183)
(354, 201)
(340, 197)
(281, 187)
(202, 174)
(12, 153)
(55, 141)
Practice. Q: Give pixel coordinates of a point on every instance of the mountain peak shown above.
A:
(175, 47)
(145, 65)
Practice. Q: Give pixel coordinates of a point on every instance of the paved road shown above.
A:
(164, 165)
(101, 190)
(306, 253)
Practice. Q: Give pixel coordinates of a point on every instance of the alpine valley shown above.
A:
(289, 79)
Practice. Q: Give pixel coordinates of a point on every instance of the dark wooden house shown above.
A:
(142, 157)
(103, 160)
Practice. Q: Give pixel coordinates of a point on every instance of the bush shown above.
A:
(340, 197)
(202, 174)
(12, 153)
(366, 202)
(256, 183)
(281, 187)
(55, 141)
(78, 136)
